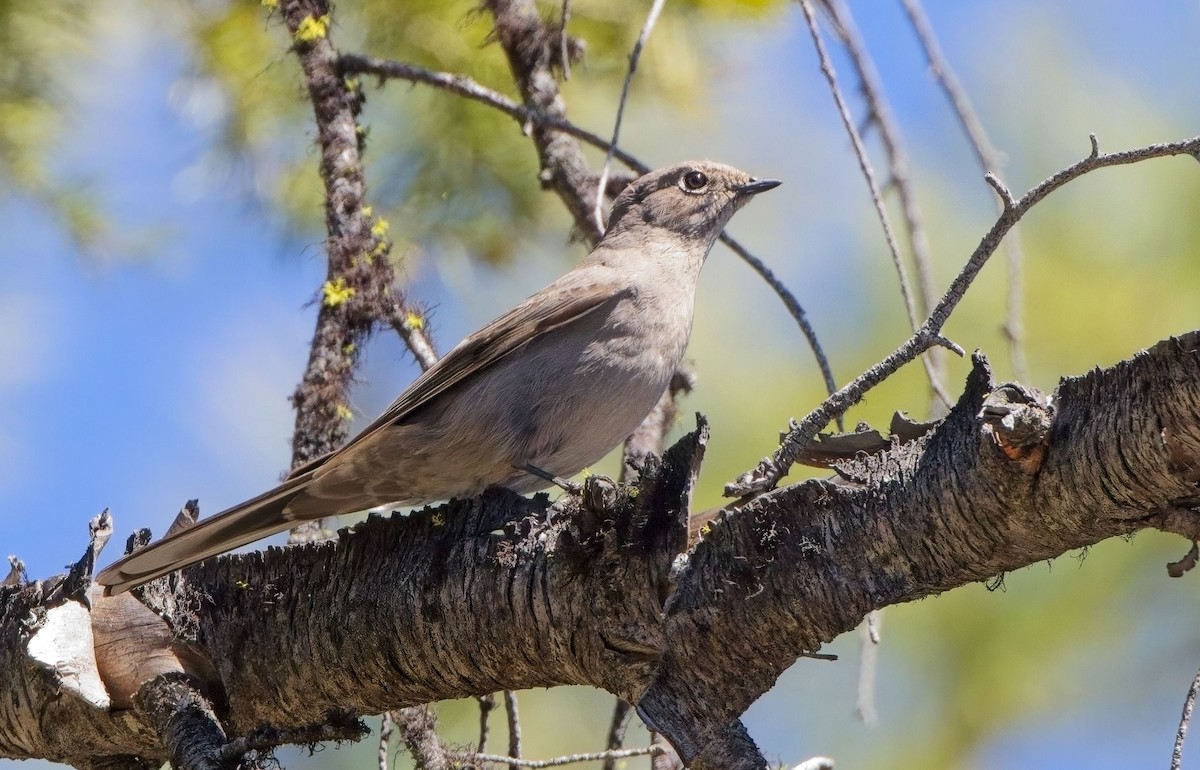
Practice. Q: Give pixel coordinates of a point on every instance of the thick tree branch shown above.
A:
(501, 593)
(532, 49)
(1005, 481)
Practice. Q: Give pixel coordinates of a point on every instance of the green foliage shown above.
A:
(40, 44)
(426, 147)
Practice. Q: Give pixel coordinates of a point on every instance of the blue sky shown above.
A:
(136, 384)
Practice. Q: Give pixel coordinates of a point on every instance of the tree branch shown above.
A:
(770, 470)
(1005, 481)
(501, 593)
(989, 162)
(358, 292)
(463, 86)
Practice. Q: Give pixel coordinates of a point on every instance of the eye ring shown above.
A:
(694, 181)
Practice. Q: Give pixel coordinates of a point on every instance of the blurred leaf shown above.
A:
(423, 145)
(41, 45)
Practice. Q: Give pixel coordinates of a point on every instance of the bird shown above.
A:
(542, 392)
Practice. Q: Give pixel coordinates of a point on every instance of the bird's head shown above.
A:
(694, 200)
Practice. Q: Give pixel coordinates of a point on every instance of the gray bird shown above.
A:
(543, 391)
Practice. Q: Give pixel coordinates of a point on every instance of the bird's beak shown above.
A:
(755, 186)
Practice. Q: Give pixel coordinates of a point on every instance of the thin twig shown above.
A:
(634, 56)
(770, 470)
(514, 727)
(989, 161)
(564, 43)
(868, 663)
(385, 737)
(793, 307)
(461, 85)
(411, 325)
(1184, 720)
(616, 730)
(566, 759)
(864, 165)
(486, 704)
(879, 113)
(418, 730)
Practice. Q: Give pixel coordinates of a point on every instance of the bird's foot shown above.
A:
(566, 485)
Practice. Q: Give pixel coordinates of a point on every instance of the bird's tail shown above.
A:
(252, 520)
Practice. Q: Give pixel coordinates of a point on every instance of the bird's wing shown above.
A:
(559, 304)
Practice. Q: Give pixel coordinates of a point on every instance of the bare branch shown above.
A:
(1006, 198)
(568, 759)
(616, 731)
(410, 324)
(989, 162)
(418, 730)
(514, 726)
(358, 290)
(880, 114)
(968, 500)
(486, 704)
(1185, 719)
(529, 46)
(864, 163)
(868, 662)
(985, 154)
(770, 470)
(564, 44)
(636, 55)
(463, 86)
(386, 727)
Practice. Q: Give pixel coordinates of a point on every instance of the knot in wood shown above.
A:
(1018, 420)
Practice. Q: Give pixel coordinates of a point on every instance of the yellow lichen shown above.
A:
(312, 28)
(336, 292)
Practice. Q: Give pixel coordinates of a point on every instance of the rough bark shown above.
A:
(504, 592)
(533, 49)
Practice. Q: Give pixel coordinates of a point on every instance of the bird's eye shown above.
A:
(694, 180)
